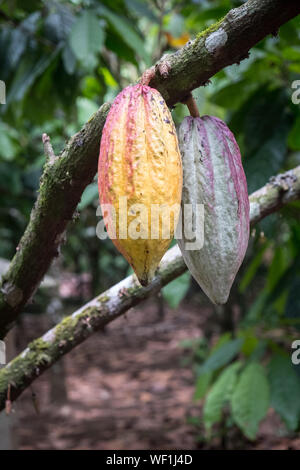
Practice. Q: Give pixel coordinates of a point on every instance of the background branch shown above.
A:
(63, 182)
(74, 329)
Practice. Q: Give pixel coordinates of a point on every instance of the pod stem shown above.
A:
(147, 76)
(192, 105)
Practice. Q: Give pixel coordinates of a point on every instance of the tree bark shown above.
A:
(226, 42)
(66, 176)
(74, 329)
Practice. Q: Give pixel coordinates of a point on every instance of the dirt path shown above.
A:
(127, 388)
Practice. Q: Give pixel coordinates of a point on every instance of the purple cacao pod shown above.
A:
(213, 175)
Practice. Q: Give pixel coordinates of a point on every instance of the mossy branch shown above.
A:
(224, 43)
(66, 176)
(73, 330)
(63, 181)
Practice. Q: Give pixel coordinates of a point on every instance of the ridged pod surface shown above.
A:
(139, 163)
(213, 175)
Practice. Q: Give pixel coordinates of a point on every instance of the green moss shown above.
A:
(38, 345)
(65, 329)
(93, 116)
(3, 379)
(133, 290)
(16, 372)
(211, 29)
(103, 298)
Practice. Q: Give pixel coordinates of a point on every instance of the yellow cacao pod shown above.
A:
(139, 173)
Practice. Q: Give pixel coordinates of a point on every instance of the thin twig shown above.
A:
(48, 149)
(147, 76)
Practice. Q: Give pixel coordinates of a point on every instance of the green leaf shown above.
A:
(266, 161)
(124, 29)
(89, 195)
(9, 146)
(10, 179)
(292, 307)
(222, 356)
(220, 394)
(289, 31)
(212, 13)
(250, 400)
(115, 43)
(17, 43)
(108, 78)
(265, 113)
(278, 266)
(284, 282)
(250, 341)
(223, 339)
(285, 390)
(266, 122)
(231, 96)
(256, 309)
(263, 122)
(252, 268)
(294, 135)
(202, 384)
(87, 36)
(58, 24)
(294, 67)
(31, 66)
(291, 53)
(176, 25)
(13, 51)
(140, 8)
(260, 350)
(92, 88)
(14, 42)
(175, 291)
(69, 59)
(86, 108)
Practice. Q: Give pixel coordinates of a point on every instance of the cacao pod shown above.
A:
(139, 160)
(213, 175)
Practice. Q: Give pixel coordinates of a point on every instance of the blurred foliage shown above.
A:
(60, 61)
(240, 379)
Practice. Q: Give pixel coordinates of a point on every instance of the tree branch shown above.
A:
(280, 190)
(73, 330)
(48, 149)
(66, 176)
(62, 184)
(226, 42)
